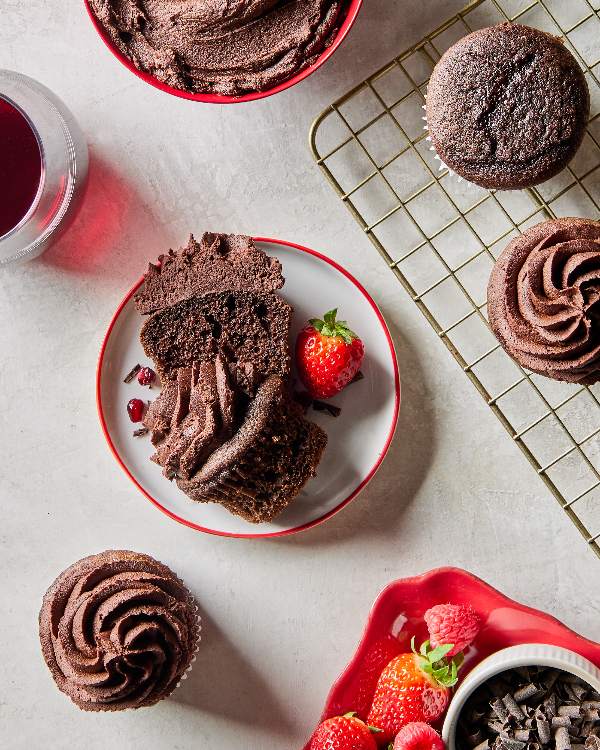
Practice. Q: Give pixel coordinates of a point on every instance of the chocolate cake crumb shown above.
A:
(132, 374)
(140, 432)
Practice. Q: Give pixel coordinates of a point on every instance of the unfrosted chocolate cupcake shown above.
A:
(507, 107)
(543, 299)
(118, 630)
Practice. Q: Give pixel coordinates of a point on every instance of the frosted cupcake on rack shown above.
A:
(507, 107)
(544, 300)
(118, 630)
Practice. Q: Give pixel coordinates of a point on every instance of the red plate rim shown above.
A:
(310, 523)
(453, 579)
(218, 98)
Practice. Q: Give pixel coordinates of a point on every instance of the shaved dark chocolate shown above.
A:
(335, 411)
(304, 399)
(562, 739)
(357, 377)
(527, 716)
(526, 692)
(132, 374)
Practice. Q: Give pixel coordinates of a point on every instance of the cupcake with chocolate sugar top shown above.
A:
(507, 107)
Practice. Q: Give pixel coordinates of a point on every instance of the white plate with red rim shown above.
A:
(358, 438)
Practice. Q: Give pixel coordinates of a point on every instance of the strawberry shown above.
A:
(413, 687)
(343, 733)
(418, 736)
(359, 695)
(451, 623)
(328, 355)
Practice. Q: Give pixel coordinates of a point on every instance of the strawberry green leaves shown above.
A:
(330, 327)
(434, 662)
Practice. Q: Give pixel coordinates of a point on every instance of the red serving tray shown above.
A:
(399, 610)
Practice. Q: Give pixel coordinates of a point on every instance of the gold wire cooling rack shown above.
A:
(441, 236)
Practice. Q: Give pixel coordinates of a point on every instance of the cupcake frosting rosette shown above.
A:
(118, 630)
(543, 300)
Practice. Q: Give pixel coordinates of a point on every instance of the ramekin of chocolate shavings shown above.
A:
(531, 708)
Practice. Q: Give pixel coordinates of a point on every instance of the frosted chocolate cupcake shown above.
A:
(507, 107)
(543, 300)
(118, 630)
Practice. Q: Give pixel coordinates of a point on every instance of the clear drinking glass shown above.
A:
(64, 168)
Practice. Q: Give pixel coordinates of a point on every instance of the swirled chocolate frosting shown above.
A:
(118, 630)
(543, 299)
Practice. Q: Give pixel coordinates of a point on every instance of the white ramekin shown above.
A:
(525, 654)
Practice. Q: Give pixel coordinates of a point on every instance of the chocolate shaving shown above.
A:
(562, 739)
(513, 709)
(522, 735)
(543, 730)
(140, 432)
(304, 399)
(592, 742)
(335, 411)
(132, 374)
(499, 709)
(525, 692)
(561, 721)
(356, 378)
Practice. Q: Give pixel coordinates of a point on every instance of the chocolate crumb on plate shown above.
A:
(132, 374)
(140, 432)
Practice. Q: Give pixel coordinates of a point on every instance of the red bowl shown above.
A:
(399, 609)
(217, 98)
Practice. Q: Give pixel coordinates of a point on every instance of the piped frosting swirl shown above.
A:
(118, 630)
(542, 299)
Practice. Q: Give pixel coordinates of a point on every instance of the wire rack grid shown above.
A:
(440, 236)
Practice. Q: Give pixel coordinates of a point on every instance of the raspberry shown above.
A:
(451, 623)
(418, 736)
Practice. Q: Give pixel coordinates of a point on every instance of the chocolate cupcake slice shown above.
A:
(544, 299)
(189, 425)
(250, 329)
(507, 107)
(216, 263)
(266, 463)
(118, 630)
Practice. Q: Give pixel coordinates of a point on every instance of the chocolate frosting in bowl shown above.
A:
(118, 630)
(542, 299)
(227, 47)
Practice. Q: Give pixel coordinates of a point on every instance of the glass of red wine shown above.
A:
(43, 167)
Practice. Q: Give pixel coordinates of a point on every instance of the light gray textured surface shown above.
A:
(281, 617)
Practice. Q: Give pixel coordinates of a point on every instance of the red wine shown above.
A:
(20, 166)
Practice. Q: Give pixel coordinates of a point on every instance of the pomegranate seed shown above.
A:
(146, 376)
(135, 409)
